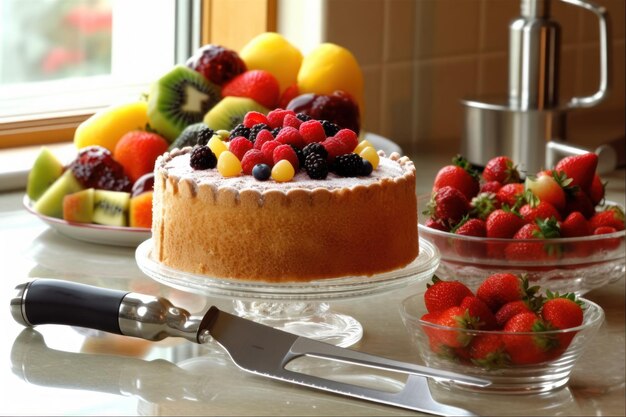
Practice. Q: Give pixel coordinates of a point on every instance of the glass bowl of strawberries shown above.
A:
(520, 338)
(554, 226)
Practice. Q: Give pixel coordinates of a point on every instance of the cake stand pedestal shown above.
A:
(300, 308)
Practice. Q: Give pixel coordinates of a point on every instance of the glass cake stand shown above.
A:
(301, 308)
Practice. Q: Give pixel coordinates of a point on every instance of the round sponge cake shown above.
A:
(300, 230)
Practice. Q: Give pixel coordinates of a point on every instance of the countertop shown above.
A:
(60, 370)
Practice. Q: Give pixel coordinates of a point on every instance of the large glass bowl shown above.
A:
(579, 264)
(544, 376)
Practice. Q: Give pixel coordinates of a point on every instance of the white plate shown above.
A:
(383, 144)
(94, 233)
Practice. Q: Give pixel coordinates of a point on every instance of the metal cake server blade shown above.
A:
(253, 347)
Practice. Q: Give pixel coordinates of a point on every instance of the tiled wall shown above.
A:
(420, 57)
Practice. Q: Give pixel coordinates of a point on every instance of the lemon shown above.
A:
(106, 127)
(271, 52)
(331, 67)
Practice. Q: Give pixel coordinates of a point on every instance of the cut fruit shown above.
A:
(178, 99)
(111, 207)
(45, 171)
(78, 207)
(107, 126)
(230, 111)
(140, 212)
(51, 201)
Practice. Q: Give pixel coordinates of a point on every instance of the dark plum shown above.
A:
(218, 64)
(338, 107)
(143, 184)
(94, 167)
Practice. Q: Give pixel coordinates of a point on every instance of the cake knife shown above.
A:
(253, 347)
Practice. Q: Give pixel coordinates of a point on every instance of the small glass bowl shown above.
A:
(578, 265)
(531, 378)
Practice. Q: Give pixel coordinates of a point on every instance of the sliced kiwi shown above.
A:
(51, 201)
(111, 207)
(45, 171)
(178, 99)
(195, 134)
(230, 111)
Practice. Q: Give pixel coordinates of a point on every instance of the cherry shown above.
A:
(216, 63)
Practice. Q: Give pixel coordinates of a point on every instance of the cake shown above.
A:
(296, 231)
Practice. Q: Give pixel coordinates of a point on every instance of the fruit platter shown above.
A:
(554, 226)
(105, 193)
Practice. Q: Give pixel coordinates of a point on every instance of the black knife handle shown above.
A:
(48, 301)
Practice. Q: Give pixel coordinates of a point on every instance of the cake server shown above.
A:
(253, 347)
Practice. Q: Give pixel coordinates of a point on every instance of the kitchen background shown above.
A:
(420, 57)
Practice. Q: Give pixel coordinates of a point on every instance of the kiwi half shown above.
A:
(178, 99)
(230, 112)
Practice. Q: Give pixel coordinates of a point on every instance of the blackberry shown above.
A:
(366, 168)
(316, 166)
(240, 130)
(203, 135)
(316, 148)
(303, 117)
(348, 165)
(299, 154)
(275, 131)
(330, 128)
(202, 157)
(254, 130)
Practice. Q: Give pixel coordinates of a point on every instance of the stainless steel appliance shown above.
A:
(529, 124)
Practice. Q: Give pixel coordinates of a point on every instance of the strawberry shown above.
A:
(606, 244)
(501, 169)
(580, 168)
(478, 308)
(253, 118)
(503, 224)
(490, 187)
(459, 175)
(577, 200)
(510, 309)
(536, 209)
(239, 146)
(259, 85)
(470, 227)
(484, 204)
(447, 204)
(549, 186)
(436, 224)
(575, 225)
(526, 251)
(456, 318)
(250, 159)
(487, 350)
(597, 190)
(612, 216)
(501, 288)
(511, 194)
(441, 295)
(525, 349)
(562, 312)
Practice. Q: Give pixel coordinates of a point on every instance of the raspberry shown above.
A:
(202, 157)
(276, 117)
(239, 146)
(312, 131)
(334, 147)
(330, 128)
(250, 159)
(348, 165)
(268, 150)
(286, 152)
(316, 166)
(253, 118)
(240, 130)
(315, 147)
(254, 131)
(262, 137)
(348, 137)
(292, 121)
(290, 136)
